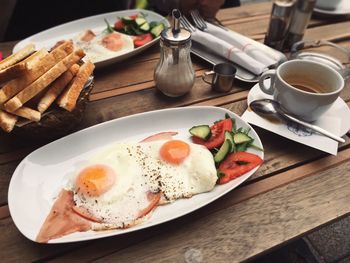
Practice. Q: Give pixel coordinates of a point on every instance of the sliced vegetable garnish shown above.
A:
(201, 131)
(241, 137)
(142, 39)
(224, 150)
(237, 164)
(137, 25)
(217, 134)
(119, 25)
(228, 146)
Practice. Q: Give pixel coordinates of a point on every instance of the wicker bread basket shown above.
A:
(56, 122)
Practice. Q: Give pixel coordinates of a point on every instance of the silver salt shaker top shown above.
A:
(175, 35)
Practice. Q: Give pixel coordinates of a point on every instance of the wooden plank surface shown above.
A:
(287, 184)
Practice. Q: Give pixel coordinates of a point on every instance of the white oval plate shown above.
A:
(39, 178)
(48, 38)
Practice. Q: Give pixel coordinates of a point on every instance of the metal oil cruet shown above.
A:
(174, 75)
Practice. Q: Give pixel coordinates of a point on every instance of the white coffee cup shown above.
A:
(327, 4)
(305, 89)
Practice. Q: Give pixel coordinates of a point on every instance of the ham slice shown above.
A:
(62, 220)
(160, 136)
(66, 218)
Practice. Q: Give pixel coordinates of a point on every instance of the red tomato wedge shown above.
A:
(119, 25)
(141, 40)
(217, 134)
(237, 164)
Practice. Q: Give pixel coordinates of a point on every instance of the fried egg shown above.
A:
(103, 46)
(122, 184)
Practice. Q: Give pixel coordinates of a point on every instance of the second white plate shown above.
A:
(48, 38)
(40, 176)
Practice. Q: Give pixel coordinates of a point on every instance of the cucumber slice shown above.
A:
(154, 24)
(140, 21)
(201, 131)
(155, 31)
(145, 27)
(241, 137)
(229, 136)
(128, 20)
(224, 150)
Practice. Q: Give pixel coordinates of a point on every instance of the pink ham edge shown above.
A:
(160, 136)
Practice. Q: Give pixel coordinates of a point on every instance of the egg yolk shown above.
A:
(95, 180)
(113, 41)
(174, 151)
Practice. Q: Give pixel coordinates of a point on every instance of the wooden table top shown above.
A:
(297, 189)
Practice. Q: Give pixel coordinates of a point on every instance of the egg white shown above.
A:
(139, 170)
(96, 52)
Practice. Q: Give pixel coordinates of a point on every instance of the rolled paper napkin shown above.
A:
(230, 52)
(256, 50)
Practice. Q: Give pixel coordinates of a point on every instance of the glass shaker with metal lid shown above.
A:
(174, 75)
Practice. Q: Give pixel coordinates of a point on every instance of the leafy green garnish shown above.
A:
(109, 28)
(256, 147)
(219, 174)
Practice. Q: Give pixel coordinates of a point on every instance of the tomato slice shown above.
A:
(1, 56)
(217, 134)
(134, 16)
(237, 164)
(141, 40)
(119, 25)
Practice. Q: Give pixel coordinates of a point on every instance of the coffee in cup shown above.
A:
(305, 89)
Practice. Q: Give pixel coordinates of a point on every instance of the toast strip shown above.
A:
(7, 121)
(42, 82)
(38, 65)
(18, 56)
(56, 88)
(28, 113)
(12, 72)
(34, 59)
(70, 96)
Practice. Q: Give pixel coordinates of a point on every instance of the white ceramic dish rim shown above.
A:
(225, 188)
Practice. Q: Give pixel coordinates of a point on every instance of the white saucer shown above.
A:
(342, 9)
(338, 110)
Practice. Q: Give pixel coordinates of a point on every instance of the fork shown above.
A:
(186, 24)
(198, 20)
(201, 24)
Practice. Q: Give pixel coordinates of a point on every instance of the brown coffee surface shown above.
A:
(305, 88)
(304, 84)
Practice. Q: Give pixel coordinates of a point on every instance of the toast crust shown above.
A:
(7, 121)
(56, 88)
(17, 57)
(70, 96)
(38, 65)
(13, 72)
(43, 81)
